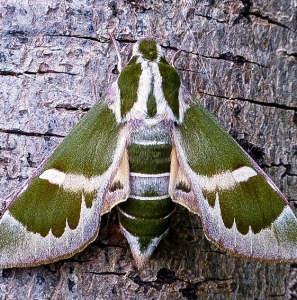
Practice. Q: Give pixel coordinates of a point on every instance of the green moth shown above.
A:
(146, 145)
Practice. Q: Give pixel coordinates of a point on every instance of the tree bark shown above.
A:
(239, 58)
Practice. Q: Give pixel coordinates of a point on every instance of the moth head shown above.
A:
(147, 49)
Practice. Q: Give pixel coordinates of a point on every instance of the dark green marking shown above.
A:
(149, 159)
(256, 210)
(183, 187)
(96, 135)
(211, 197)
(151, 103)
(147, 218)
(150, 209)
(89, 197)
(49, 208)
(150, 192)
(128, 82)
(145, 227)
(148, 49)
(116, 186)
(170, 84)
(200, 138)
(150, 218)
(88, 150)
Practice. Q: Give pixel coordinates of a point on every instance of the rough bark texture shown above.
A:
(56, 60)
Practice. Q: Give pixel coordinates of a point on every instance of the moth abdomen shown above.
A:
(145, 216)
(148, 219)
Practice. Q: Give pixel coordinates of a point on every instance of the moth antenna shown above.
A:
(174, 56)
(118, 52)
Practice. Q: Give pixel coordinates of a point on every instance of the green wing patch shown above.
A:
(255, 211)
(209, 151)
(89, 151)
(44, 207)
(89, 148)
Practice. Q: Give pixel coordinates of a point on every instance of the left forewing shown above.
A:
(58, 213)
(241, 209)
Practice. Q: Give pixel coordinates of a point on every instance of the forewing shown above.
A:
(241, 209)
(58, 213)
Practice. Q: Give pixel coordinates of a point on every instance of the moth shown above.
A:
(145, 146)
